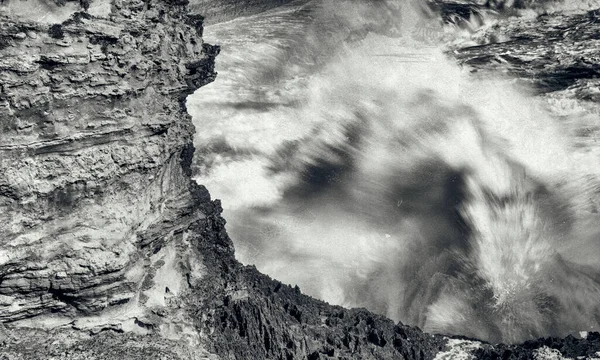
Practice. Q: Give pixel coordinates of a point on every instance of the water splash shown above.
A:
(378, 173)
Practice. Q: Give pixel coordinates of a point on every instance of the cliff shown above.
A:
(108, 248)
(95, 196)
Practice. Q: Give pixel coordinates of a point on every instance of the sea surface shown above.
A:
(436, 164)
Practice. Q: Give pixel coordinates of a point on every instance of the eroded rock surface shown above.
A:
(94, 150)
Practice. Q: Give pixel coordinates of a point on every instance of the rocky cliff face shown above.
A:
(107, 248)
(95, 199)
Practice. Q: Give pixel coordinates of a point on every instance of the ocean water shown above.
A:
(356, 159)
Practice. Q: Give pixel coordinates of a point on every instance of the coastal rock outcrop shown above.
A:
(94, 151)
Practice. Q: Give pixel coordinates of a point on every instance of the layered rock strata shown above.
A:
(95, 198)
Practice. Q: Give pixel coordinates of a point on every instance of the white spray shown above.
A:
(383, 175)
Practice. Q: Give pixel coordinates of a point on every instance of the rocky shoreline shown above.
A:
(109, 249)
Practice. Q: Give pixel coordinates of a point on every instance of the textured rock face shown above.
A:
(107, 248)
(94, 149)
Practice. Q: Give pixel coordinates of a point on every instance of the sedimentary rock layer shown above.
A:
(94, 149)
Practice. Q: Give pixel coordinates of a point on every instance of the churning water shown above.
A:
(373, 171)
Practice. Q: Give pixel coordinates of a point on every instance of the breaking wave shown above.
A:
(371, 170)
